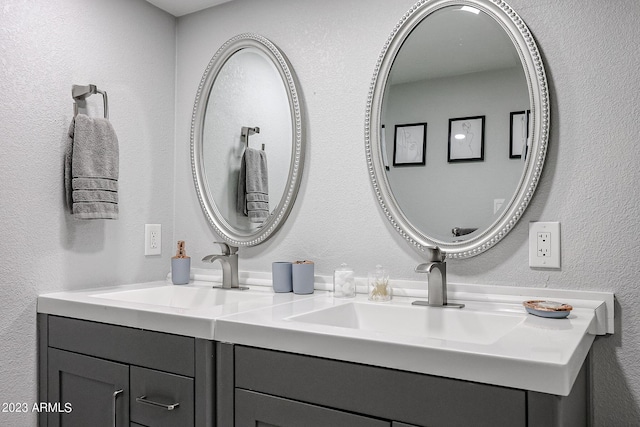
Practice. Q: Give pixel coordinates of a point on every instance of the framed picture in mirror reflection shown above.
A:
(518, 133)
(410, 145)
(466, 139)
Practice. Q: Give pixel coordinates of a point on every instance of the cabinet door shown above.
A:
(96, 390)
(262, 410)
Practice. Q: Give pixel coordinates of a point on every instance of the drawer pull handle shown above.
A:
(115, 396)
(143, 399)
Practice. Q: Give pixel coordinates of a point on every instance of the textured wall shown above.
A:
(589, 184)
(465, 198)
(128, 49)
(247, 79)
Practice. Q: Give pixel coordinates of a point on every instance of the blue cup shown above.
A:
(180, 270)
(303, 277)
(281, 276)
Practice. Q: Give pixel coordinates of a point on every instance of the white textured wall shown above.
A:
(126, 47)
(462, 193)
(590, 181)
(237, 100)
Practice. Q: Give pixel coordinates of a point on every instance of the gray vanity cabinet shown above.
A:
(142, 378)
(258, 409)
(96, 389)
(129, 376)
(281, 389)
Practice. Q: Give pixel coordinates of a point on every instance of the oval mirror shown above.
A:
(247, 140)
(457, 124)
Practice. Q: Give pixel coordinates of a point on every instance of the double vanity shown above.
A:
(158, 354)
(155, 354)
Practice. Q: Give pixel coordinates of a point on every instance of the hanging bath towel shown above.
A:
(253, 186)
(91, 169)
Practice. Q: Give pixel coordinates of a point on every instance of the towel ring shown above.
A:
(246, 132)
(80, 93)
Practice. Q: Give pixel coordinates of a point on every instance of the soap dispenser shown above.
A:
(379, 288)
(180, 266)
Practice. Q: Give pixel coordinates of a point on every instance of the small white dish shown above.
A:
(550, 309)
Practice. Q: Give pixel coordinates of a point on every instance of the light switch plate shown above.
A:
(544, 244)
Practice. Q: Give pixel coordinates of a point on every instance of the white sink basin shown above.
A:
(190, 310)
(492, 340)
(448, 324)
(186, 297)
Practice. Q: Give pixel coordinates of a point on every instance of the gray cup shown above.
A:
(281, 276)
(180, 270)
(303, 278)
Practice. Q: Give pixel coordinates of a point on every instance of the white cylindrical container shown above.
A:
(344, 282)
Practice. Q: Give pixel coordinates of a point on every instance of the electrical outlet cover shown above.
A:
(544, 244)
(152, 239)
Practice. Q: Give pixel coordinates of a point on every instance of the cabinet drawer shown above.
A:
(153, 397)
(254, 409)
(380, 392)
(166, 352)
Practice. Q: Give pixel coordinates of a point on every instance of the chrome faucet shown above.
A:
(436, 269)
(229, 260)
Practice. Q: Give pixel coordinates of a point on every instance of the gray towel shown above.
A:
(253, 186)
(91, 169)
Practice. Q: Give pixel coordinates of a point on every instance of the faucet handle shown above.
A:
(226, 248)
(424, 267)
(435, 254)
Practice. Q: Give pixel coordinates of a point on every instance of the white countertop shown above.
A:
(198, 322)
(538, 354)
(531, 353)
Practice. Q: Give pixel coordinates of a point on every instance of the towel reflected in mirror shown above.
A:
(253, 186)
